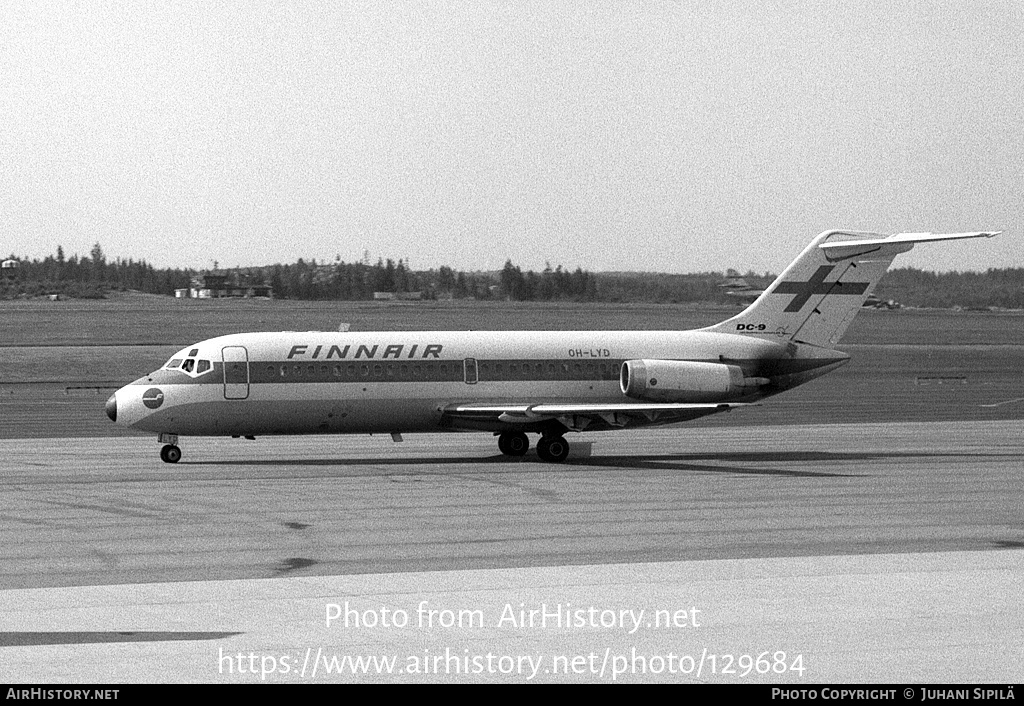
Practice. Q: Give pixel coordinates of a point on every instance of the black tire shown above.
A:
(553, 449)
(514, 443)
(170, 454)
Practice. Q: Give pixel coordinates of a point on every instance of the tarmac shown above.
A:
(832, 553)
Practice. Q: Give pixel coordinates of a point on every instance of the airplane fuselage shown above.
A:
(338, 383)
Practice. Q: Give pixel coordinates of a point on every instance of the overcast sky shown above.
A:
(659, 135)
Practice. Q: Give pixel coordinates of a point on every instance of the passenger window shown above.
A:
(202, 366)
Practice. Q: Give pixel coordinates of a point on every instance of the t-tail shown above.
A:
(814, 300)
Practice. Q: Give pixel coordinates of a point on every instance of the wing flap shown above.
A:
(547, 410)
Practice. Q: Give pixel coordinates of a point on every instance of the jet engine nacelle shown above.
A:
(684, 381)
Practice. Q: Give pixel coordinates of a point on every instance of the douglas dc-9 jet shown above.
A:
(517, 383)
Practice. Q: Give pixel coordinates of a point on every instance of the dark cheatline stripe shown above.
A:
(504, 370)
(498, 370)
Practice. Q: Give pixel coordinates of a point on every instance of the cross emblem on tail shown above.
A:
(817, 285)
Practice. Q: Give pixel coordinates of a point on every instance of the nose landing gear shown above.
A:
(170, 453)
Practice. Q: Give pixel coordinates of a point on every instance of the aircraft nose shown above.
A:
(111, 407)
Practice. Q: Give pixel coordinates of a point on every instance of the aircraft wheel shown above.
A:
(513, 443)
(553, 449)
(170, 454)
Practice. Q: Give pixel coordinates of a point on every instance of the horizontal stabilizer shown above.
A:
(842, 249)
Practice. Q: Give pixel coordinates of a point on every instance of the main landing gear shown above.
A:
(551, 448)
(514, 443)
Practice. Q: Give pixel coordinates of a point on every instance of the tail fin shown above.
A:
(816, 297)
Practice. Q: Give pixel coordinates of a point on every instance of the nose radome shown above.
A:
(111, 407)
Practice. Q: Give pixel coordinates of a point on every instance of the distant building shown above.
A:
(739, 289)
(210, 285)
(260, 291)
(9, 269)
(400, 296)
(221, 285)
(873, 302)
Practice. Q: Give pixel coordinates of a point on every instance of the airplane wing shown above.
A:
(572, 414)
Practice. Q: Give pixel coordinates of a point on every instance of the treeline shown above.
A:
(550, 284)
(663, 288)
(355, 281)
(1002, 288)
(88, 277)
(94, 276)
(358, 281)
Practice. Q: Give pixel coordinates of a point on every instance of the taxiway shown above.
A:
(878, 552)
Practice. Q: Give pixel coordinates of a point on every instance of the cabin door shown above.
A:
(469, 367)
(236, 372)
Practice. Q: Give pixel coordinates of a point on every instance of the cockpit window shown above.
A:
(190, 365)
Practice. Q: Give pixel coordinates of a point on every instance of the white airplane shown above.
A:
(513, 383)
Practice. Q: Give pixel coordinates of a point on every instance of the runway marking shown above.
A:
(35, 639)
(1000, 404)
